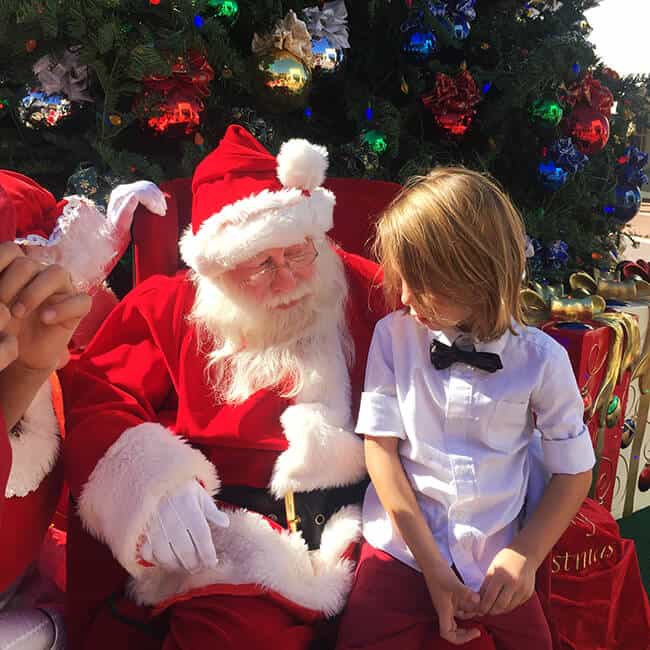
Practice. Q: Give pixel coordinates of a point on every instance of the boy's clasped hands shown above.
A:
(509, 582)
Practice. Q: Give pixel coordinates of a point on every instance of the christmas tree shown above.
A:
(96, 92)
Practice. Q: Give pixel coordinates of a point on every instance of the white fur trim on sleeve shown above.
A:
(320, 454)
(251, 552)
(123, 491)
(35, 445)
(83, 242)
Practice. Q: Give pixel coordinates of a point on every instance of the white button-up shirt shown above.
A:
(465, 435)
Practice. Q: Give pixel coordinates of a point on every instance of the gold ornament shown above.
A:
(282, 81)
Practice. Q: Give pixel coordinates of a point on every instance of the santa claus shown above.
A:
(210, 446)
(74, 244)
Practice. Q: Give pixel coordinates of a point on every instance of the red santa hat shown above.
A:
(72, 232)
(246, 200)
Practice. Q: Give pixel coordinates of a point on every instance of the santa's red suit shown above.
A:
(146, 426)
(144, 419)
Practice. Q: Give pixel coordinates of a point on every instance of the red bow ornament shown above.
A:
(452, 101)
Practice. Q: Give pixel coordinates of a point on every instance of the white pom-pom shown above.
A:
(302, 164)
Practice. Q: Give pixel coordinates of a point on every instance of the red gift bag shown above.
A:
(598, 601)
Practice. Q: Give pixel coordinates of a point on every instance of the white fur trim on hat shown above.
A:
(302, 164)
(123, 492)
(266, 220)
(34, 445)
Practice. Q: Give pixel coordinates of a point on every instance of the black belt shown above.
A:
(313, 509)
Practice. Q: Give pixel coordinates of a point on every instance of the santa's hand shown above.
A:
(125, 199)
(178, 537)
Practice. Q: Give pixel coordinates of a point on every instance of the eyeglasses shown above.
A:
(265, 272)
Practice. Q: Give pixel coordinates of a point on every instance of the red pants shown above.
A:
(390, 608)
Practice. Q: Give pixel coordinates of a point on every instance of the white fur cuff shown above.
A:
(320, 454)
(251, 552)
(35, 448)
(123, 491)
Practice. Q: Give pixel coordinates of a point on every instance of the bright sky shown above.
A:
(621, 33)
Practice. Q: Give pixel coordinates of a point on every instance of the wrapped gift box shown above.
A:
(590, 345)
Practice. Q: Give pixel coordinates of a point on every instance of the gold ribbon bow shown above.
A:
(545, 302)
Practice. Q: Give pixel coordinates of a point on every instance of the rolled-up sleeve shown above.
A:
(559, 410)
(379, 413)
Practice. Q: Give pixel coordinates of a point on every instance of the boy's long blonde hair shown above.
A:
(455, 233)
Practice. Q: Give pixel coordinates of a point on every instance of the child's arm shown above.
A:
(569, 457)
(448, 593)
(510, 579)
(45, 310)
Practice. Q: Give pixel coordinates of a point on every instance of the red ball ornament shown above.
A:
(173, 105)
(177, 113)
(588, 128)
(154, 2)
(644, 479)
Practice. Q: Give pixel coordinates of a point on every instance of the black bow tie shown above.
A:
(442, 356)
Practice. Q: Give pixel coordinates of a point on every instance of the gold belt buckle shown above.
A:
(293, 520)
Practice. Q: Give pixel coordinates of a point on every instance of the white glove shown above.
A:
(179, 537)
(125, 199)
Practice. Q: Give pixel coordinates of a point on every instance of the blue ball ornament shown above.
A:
(419, 45)
(627, 203)
(551, 175)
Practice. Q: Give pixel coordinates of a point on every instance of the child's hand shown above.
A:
(449, 595)
(509, 582)
(44, 307)
(8, 342)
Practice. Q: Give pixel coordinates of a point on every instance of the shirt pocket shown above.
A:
(507, 426)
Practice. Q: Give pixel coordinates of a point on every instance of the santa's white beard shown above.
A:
(251, 346)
